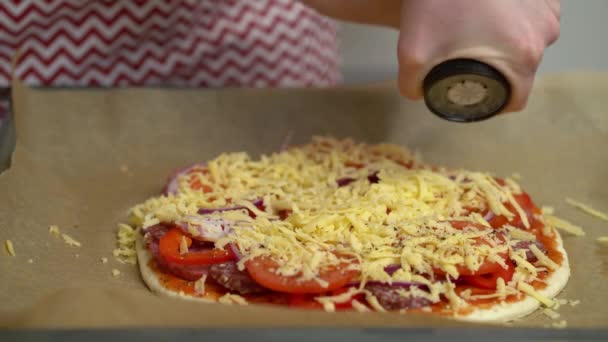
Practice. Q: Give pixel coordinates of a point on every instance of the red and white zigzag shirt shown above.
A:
(207, 43)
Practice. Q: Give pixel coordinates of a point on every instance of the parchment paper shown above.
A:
(72, 145)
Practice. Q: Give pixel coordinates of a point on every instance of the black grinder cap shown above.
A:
(465, 90)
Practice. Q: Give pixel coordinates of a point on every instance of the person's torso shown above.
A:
(208, 43)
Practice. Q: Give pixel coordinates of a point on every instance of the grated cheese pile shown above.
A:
(125, 252)
(403, 219)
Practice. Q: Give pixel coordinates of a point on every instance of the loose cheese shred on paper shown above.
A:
(9, 247)
(551, 314)
(125, 252)
(115, 272)
(548, 210)
(54, 230)
(104, 260)
(603, 240)
(587, 209)
(564, 225)
(70, 241)
(560, 325)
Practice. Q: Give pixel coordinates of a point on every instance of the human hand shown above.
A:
(510, 35)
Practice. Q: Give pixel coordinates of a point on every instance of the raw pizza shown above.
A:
(337, 225)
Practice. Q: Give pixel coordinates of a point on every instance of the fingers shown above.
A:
(520, 94)
(413, 54)
(412, 67)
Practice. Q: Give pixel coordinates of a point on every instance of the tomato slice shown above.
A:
(262, 270)
(169, 250)
(488, 281)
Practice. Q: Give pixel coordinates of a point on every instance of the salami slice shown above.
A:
(229, 276)
(391, 299)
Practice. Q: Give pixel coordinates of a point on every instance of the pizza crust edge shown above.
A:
(511, 311)
(151, 279)
(498, 313)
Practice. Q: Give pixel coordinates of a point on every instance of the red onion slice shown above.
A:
(207, 228)
(395, 283)
(344, 181)
(258, 203)
(207, 211)
(172, 186)
(390, 269)
(373, 177)
(235, 250)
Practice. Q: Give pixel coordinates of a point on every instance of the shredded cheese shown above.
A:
(520, 234)
(564, 225)
(521, 262)
(230, 299)
(125, 251)
(560, 325)
(199, 285)
(501, 288)
(529, 290)
(548, 210)
(360, 307)
(54, 230)
(603, 240)
(550, 313)
(183, 246)
(9, 247)
(115, 272)
(587, 209)
(104, 260)
(70, 241)
(373, 302)
(30, 261)
(542, 258)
